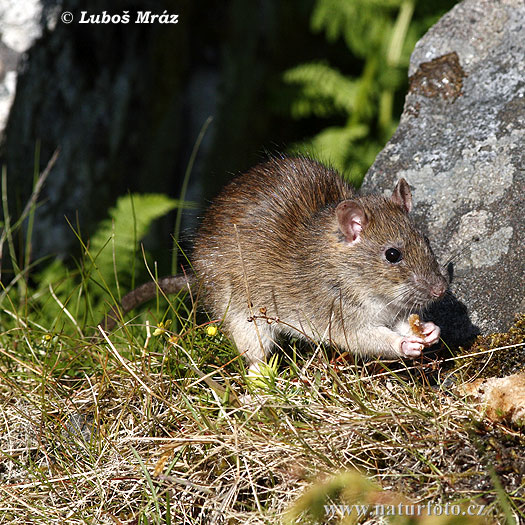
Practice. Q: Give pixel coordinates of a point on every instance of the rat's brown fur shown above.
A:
(272, 239)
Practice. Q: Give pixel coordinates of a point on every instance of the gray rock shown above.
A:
(460, 144)
(19, 27)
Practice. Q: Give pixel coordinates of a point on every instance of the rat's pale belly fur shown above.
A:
(367, 331)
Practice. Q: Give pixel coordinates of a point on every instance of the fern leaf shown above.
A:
(362, 23)
(129, 222)
(113, 249)
(324, 90)
(333, 144)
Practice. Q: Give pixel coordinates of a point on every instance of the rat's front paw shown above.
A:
(411, 346)
(430, 333)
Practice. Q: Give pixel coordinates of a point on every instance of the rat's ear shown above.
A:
(402, 196)
(352, 219)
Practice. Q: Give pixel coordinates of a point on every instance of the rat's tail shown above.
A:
(165, 286)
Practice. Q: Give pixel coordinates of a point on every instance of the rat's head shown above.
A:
(393, 258)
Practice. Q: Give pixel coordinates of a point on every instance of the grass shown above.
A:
(160, 423)
(128, 430)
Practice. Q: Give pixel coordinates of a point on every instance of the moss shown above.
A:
(502, 361)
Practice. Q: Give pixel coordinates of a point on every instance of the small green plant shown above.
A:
(265, 377)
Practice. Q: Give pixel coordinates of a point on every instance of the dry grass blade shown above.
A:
(145, 439)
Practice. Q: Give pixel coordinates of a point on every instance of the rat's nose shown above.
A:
(438, 289)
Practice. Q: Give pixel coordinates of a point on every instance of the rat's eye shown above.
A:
(393, 255)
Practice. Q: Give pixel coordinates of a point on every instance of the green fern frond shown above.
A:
(324, 90)
(129, 222)
(109, 259)
(362, 23)
(332, 145)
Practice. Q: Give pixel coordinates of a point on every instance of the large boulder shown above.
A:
(461, 146)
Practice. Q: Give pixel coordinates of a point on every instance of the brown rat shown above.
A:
(288, 248)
